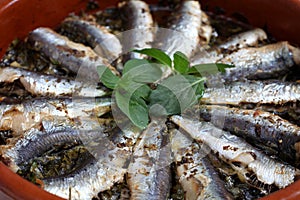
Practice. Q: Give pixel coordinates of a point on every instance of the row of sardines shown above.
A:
(240, 142)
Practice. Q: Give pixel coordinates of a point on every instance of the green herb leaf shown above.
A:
(222, 67)
(181, 62)
(199, 88)
(131, 102)
(208, 69)
(107, 77)
(146, 73)
(172, 96)
(139, 108)
(177, 93)
(157, 54)
(130, 64)
(204, 69)
(166, 98)
(132, 92)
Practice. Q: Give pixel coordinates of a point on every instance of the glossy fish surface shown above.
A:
(253, 92)
(269, 61)
(44, 135)
(74, 56)
(104, 43)
(139, 23)
(197, 176)
(104, 164)
(39, 84)
(261, 127)
(242, 40)
(184, 30)
(21, 117)
(109, 167)
(242, 156)
(149, 171)
(182, 34)
(260, 63)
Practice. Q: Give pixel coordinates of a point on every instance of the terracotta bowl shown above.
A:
(18, 17)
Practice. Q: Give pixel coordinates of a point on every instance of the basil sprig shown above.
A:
(140, 87)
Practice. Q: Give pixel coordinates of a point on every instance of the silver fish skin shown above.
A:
(206, 56)
(239, 154)
(149, 171)
(196, 175)
(269, 61)
(259, 63)
(263, 127)
(74, 56)
(48, 85)
(107, 167)
(184, 30)
(206, 30)
(245, 39)
(139, 24)
(44, 135)
(242, 40)
(112, 156)
(253, 92)
(183, 33)
(23, 116)
(104, 43)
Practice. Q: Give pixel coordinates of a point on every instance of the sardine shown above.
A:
(259, 63)
(203, 56)
(260, 127)
(138, 21)
(74, 56)
(242, 40)
(264, 62)
(21, 117)
(43, 136)
(196, 175)
(289, 111)
(206, 30)
(253, 92)
(240, 155)
(39, 84)
(107, 165)
(245, 39)
(183, 33)
(104, 43)
(149, 171)
(21, 148)
(184, 30)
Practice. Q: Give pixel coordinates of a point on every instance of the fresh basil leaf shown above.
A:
(208, 69)
(199, 87)
(132, 92)
(204, 69)
(166, 98)
(193, 70)
(139, 108)
(181, 62)
(107, 77)
(131, 102)
(222, 67)
(130, 64)
(177, 93)
(157, 54)
(146, 73)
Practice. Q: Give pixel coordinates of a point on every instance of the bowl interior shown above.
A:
(17, 18)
